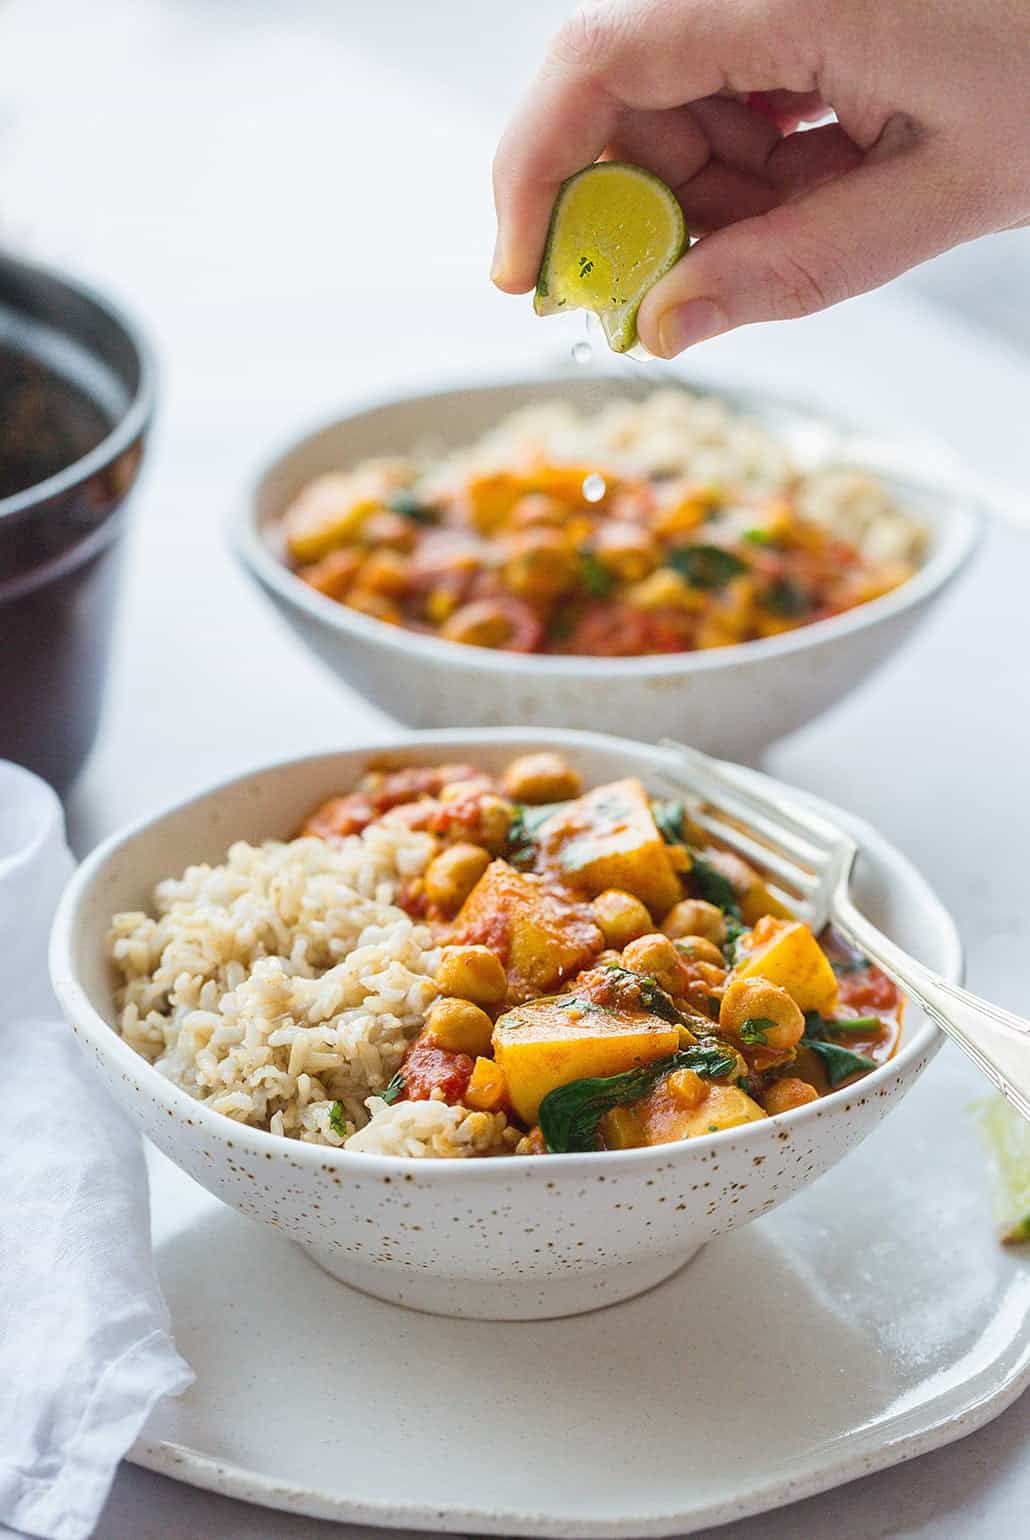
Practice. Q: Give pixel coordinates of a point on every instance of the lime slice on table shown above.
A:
(615, 229)
(1008, 1138)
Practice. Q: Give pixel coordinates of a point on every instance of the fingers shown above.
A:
(641, 54)
(849, 235)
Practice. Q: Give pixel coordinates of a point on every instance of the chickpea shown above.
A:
(757, 1000)
(622, 917)
(334, 574)
(441, 602)
(457, 790)
(662, 589)
(385, 572)
(376, 605)
(656, 956)
(540, 566)
(541, 778)
(700, 949)
(695, 917)
(532, 1143)
(713, 978)
(483, 623)
(460, 1026)
(686, 1087)
(451, 876)
(473, 973)
(494, 822)
(626, 550)
(785, 1094)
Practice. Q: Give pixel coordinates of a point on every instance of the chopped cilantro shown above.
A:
(735, 928)
(785, 597)
(522, 831)
(705, 566)
(412, 508)
(758, 536)
(337, 1120)
(593, 574)
(756, 1029)
(396, 1089)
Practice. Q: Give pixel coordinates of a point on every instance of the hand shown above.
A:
(931, 146)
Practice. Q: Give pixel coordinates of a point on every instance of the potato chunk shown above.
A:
(541, 935)
(786, 953)
(331, 510)
(665, 1119)
(547, 1043)
(608, 839)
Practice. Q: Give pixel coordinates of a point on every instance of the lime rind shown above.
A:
(1007, 1134)
(615, 230)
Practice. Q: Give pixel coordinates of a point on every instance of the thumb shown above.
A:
(844, 238)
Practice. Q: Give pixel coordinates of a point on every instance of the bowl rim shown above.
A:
(132, 422)
(960, 532)
(102, 1035)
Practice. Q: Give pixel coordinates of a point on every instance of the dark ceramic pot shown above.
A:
(76, 398)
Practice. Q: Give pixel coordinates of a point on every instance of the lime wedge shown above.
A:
(1008, 1138)
(615, 229)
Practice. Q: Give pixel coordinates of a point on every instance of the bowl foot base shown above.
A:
(510, 1299)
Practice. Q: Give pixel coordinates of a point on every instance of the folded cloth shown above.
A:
(85, 1348)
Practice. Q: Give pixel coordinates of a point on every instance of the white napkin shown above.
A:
(85, 1349)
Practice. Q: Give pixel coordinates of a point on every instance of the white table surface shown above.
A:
(296, 197)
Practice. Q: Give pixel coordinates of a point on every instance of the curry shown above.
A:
(608, 978)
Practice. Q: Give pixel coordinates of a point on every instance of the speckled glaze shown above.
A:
(731, 700)
(503, 1239)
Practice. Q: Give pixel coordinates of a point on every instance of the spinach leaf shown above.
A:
(755, 1029)
(571, 1114)
(818, 1026)
(412, 508)
(705, 566)
(594, 575)
(840, 1062)
(337, 1120)
(522, 831)
(396, 1089)
(668, 817)
(713, 886)
(785, 597)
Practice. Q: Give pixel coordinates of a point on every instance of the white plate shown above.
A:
(872, 1318)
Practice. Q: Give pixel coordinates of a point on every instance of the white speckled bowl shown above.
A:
(730, 700)
(500, 1239)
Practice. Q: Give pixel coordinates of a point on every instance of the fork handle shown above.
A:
(996, 1040)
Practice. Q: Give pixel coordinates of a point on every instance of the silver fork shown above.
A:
(806, 862)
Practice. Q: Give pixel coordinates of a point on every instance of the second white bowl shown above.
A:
(731, 700)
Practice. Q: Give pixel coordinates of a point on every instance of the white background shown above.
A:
(294, 194)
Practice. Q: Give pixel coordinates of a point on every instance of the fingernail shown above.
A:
(684, 325)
